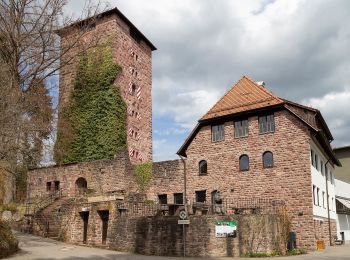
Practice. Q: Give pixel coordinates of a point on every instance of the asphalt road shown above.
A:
(38, 248)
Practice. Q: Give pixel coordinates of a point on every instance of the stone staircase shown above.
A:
(44, 218)
(49, 219)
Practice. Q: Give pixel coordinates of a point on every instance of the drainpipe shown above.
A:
(185, 204)
(328, 213)
(185, 182)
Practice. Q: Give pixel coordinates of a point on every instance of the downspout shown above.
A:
(328, 214)
(185, 182)
(185, 205)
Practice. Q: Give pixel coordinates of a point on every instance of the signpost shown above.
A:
(183, 221)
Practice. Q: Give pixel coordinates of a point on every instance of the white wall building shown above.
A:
(342, 194)
(322, 183)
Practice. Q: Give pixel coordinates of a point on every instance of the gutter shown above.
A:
(328, 214)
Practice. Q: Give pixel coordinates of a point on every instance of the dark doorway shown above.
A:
(57, 185)
(81, 184)
(85, 217)
(48, 186)
(104, 214)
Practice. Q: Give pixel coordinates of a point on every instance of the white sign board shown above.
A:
(225, 228)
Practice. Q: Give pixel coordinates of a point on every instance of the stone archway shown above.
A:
(81, 185)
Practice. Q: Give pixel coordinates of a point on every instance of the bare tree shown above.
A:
(30, 55)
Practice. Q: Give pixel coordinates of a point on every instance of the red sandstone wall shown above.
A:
(113, 29)
(289, 179)
(112, 176)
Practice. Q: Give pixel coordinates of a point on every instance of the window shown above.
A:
(332, 204)
(268, 159)
(201, 196)
(48, 186)
(178, 198)
(217, 133)
(244, 163)
(313, 158)
(241, 128)
(163, 199)
(203, 168)
(322, 167)
(57, 185)
(323, 199)
(313, 193)
(316, 161)
(133, 90)
(266, 124)
(331, 177)
(318, 196)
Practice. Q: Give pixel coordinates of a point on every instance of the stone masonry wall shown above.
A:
(167, 179)
(161, 235)
(288, 180)
(135, 58)
(103, 177)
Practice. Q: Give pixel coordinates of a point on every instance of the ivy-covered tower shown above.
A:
(131, 51)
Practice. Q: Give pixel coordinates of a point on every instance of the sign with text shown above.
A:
(225, 228)
(183, 222)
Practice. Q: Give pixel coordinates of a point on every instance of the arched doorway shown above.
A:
(81, 185)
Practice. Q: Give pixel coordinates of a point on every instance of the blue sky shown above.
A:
(204, 47)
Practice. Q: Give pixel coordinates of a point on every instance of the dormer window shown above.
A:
(266, 124)
(217, 133)
(241, 128)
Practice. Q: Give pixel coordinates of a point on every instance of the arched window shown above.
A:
(244, 163)
(267, 159)
(81, 185)
(203, 167)
(133, 90)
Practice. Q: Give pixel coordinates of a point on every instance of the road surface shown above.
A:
(38, 248)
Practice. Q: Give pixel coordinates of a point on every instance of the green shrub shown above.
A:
(8, 242)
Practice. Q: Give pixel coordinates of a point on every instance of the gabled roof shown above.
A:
(106, 13)
(245, 95)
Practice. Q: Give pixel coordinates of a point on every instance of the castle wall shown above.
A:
(103, 177)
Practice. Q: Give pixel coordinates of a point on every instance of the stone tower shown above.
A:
(133, 52)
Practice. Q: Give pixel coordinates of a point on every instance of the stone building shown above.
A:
(251, 153)
(253, 144)
(342, 193)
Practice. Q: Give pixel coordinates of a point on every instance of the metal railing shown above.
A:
(33, 207)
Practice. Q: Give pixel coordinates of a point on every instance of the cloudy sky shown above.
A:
(300, 48)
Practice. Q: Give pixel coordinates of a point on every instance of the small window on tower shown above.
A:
(133, 90)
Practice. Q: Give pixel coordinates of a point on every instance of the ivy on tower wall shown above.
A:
(93, 125)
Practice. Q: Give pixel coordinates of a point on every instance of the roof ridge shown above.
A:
(234, 99)
(228, 91)
(263, 88)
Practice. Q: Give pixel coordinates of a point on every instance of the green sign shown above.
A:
(226, 223)
(225, 228)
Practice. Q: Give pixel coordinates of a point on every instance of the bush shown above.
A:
(8, 242)
(10, 207)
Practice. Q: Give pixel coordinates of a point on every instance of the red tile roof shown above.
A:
(245, 95)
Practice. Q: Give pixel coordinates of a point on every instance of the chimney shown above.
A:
(261, 83)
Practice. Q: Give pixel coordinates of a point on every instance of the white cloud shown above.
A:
(299, 48)
(334, 107)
